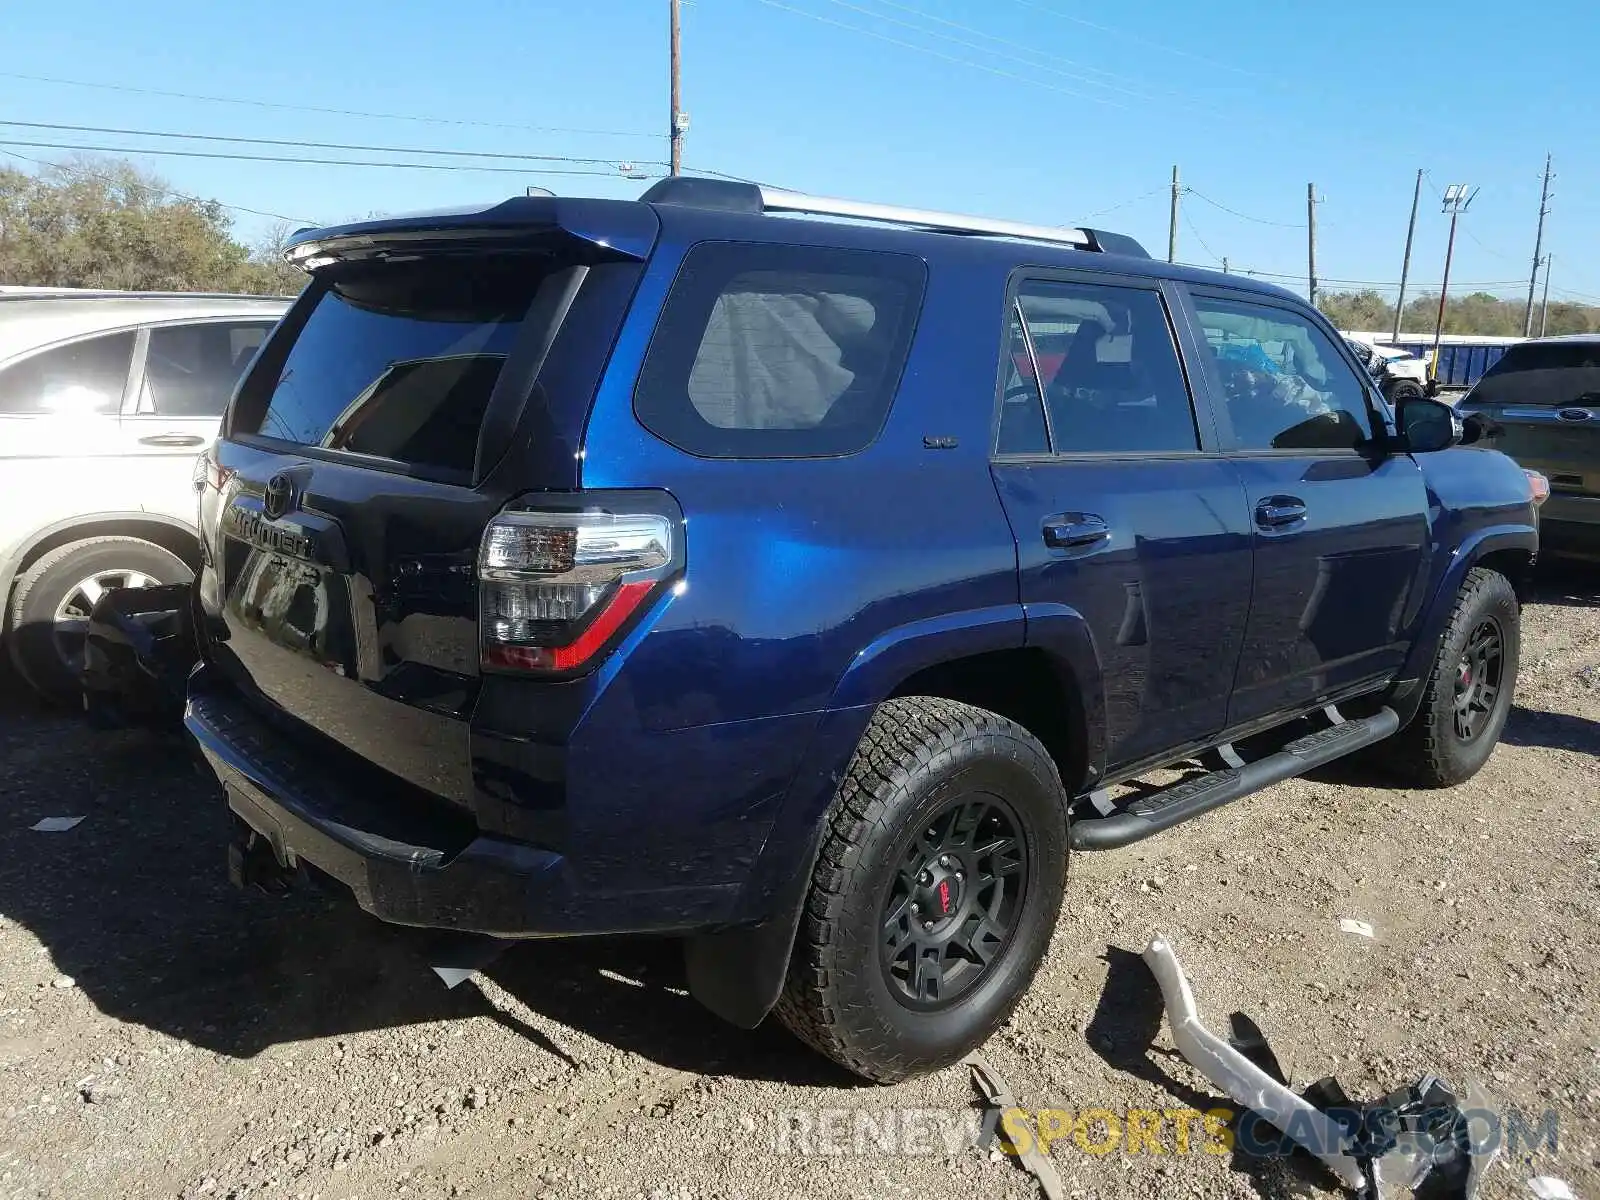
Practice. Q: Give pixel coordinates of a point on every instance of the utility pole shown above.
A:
(1457, 198)
(1311, 240)
(1172, 221)
(1405, 265)
(1544, 309)
(1538, 248)
(675, 130)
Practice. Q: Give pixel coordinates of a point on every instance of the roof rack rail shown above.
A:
(693, 192)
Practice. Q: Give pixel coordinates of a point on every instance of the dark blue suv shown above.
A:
(802, 578)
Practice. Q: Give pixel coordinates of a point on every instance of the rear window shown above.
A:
(767, 351)
(1543, 373)
(398, 361)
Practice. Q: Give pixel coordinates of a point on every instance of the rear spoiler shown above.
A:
(596, 230)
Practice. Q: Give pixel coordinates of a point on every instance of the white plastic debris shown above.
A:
(1548, 1187)
(1241, 1079)
(54, 824)
(1359, 928)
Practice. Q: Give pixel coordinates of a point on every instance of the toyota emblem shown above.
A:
(279, 497)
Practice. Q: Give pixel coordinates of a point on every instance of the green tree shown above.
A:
(108, 224)
(1364, 310)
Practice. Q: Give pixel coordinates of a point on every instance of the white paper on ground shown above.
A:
(1548, 1187)
(1361, 928)
(54, 824)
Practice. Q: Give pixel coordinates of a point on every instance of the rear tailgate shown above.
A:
(383, 427)
(1546, 395)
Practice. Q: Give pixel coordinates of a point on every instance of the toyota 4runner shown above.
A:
(802, 577)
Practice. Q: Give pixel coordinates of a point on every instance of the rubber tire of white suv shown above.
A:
(43, 586)
(919, 754)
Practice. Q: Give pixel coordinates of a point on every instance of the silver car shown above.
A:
(106, 400)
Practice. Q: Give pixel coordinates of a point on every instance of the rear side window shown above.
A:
(766, 351)
(190, 370)
(1100, 360)
(77, 379)
(398, 361)
(1549, 374)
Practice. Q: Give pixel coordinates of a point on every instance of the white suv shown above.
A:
(106, 400)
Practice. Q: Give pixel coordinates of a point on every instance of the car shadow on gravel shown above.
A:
(1553, 730)
(1123, 1031)
(135, 906)
(1566, 583)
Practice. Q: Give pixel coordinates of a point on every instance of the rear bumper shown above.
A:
(409, 863)
(1570, 525)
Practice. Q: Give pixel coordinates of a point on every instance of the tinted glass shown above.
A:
(1022, 427)
(1544, 373)
(399, 361)
(190, 370)
(779, 351)
(1108, 367)
(1285, 385)
(73, 380)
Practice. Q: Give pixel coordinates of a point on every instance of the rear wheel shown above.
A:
(935, 892)
(54, 597)
(1469, 690)
(1405, 389)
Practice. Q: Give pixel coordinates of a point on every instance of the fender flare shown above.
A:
(738, 973)
(11, 564)
(1407, 693)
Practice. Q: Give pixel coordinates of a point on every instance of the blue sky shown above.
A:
(1055, 111)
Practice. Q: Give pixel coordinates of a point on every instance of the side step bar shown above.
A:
(1172, 806)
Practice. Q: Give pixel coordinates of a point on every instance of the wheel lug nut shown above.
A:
(926, 878)
(944, 860)
(915, 909)
(960, 876)
(927, 926)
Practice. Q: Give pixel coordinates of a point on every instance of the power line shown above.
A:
(256, 141)
(952, 58)
(165, 191)
(945, 37)
(319, 162)
(309, 108)
(1190, 223)
(1126, 203)
(1244, 216)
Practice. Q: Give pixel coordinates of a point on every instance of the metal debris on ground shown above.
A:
(54, 824)
(1415, 1137)
(997, 1096)
(1360, 928)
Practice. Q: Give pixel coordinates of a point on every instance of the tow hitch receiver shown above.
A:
(252, 863)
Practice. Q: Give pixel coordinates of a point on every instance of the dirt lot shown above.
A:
(164, 1035)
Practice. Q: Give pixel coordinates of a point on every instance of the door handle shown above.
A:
(172, 439)
(1070, 531)
(1277, 511)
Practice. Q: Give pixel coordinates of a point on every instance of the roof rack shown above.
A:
(53, 293)
(693, 192)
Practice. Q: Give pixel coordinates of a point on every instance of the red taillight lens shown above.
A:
(555, 588)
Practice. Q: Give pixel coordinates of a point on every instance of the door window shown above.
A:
(1104, 367)
(78, 379)
(1284, 384)
(190, 370)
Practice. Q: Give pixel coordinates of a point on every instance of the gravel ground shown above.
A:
(164, 1035)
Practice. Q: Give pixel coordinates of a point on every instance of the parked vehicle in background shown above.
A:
(1463, 357)
(106, 399)
(711, 566)
(1398, 374)
(1545, 397)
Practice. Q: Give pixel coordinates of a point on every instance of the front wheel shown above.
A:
(935, 892)
(1406, 389)
(1469, 689)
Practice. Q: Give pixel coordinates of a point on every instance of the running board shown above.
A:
(1171, 806)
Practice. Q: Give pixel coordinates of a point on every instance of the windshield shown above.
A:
(1550, 374)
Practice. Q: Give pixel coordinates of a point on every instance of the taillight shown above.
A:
(557, 588)
(1538, 487)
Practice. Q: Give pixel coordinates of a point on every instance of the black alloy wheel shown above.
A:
(953, 902)
(1479, 676)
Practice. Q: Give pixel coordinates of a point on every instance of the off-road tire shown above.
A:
(1428, 752)
(1406, 389)
(30, 633)
(917, 755)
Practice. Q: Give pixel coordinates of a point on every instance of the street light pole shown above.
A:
(1457, 198)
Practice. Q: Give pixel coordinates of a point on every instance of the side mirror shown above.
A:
(1427, 425)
